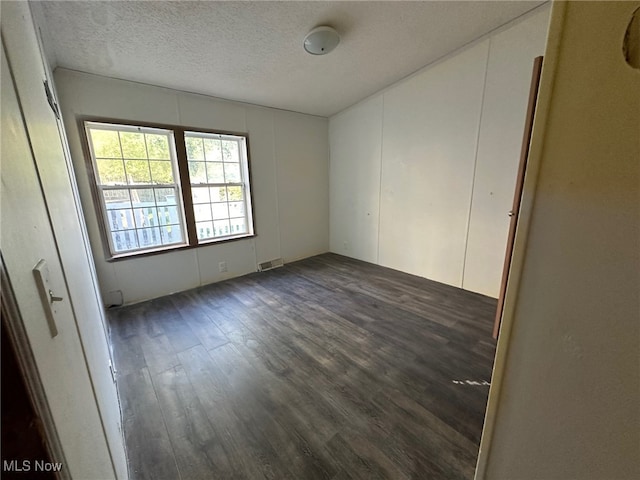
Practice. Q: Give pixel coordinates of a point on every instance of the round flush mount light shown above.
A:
(321, 40)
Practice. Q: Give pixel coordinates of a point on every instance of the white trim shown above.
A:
(176, 186)
(244, 184)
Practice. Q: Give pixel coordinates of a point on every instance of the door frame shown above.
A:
(517, 197)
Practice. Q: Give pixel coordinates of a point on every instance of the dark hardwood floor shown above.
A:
(327, 368)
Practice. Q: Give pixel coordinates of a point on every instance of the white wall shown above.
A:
(356, 151)
(422, 174)
(506, 92)
(565, 395)
(41, 220)
(429, 133)
(289, 173)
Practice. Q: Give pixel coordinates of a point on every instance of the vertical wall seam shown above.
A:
(380, 178)
(475, 165)
(198, 267)
(328, 190)
(247, 143)
(329, 180)
(195, 250)
(275, 177)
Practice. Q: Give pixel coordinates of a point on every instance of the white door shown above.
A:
(25, 239)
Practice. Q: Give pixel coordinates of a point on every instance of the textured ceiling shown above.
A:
(252, 51)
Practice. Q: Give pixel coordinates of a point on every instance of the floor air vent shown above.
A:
(278, 262)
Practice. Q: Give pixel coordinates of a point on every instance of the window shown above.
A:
(218, 173)
(165, 188)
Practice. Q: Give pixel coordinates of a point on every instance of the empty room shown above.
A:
(320, 240)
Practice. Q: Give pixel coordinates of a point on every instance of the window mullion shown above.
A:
(142, 186)
(217, 184)
(185, 184)
(124, 164)
(146, 149)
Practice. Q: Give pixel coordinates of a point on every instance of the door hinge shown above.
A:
(113, 372)
(50, 99)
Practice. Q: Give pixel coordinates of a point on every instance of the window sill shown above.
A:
(176, 248)
(211, 241)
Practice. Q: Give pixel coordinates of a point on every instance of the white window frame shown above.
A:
(244, 184)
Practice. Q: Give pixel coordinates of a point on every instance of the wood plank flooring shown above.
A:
(327, 368)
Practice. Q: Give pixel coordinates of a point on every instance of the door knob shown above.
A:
(511, 213)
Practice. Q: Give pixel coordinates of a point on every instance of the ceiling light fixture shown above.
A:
(321, 40)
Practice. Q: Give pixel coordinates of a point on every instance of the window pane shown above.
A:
(222, 228)
(111, 172)
(157, 146)
(200, 194)
(171, 234)
(202, 212)
(194, 148)
(212, 150)
(133, 145)
(149, 237)
(137, 171)
(142, 197)
(123, 241)
(236, 209)
(197, 172)
(238, 226)
(166, 196)
(215, 172)
(146, 217)
(116, 198)
(161, 172)
(218, 194)
(230, 151)
(120, 219)
(232, 173)
(219, 210)
(168, 215)
(106, 143)
(204, 229)
(235, 193)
